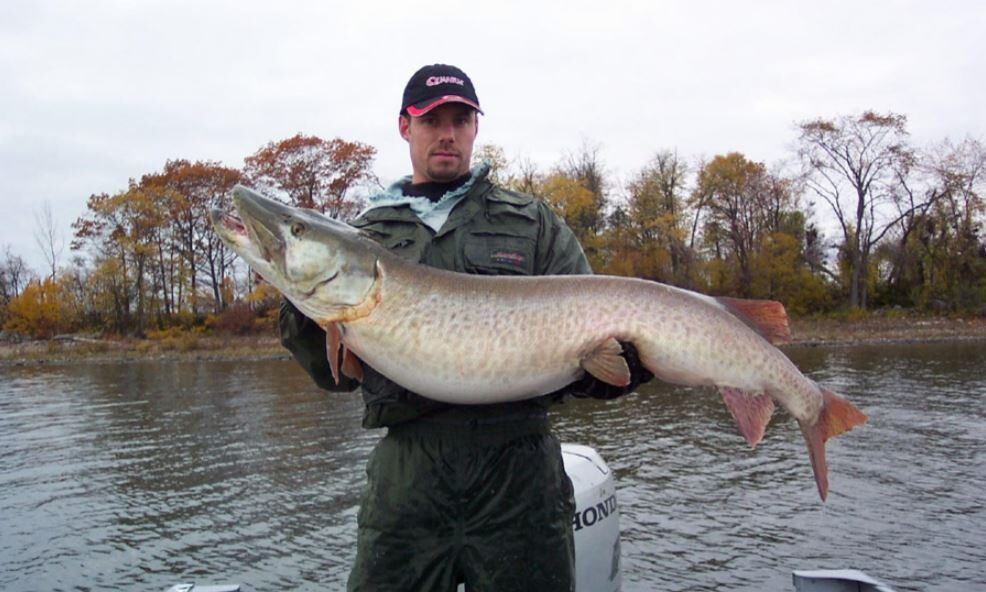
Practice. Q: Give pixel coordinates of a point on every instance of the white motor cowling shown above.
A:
(596, 522)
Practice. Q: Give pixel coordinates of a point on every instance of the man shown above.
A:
(475, 494)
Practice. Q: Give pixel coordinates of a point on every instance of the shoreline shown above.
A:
(873, 329)
(876, 329)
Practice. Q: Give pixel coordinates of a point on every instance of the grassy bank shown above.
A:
(885, 328)
(841, 330)
(182, 347)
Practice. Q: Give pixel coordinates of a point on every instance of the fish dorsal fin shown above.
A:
(606, 362)
(751, 411)
(766, 317)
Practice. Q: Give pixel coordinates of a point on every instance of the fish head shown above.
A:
(323, 266)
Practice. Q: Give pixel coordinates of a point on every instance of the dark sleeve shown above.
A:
(306, 342)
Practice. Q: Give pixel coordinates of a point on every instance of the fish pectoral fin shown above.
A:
(606, 362)
(333, 342)
(351, 366)
(752, 412)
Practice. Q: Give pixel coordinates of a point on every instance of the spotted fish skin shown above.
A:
(470, 339)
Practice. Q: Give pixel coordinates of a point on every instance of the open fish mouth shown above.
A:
(230, 226)
(254, 239)
(233, 224)
(234, 232)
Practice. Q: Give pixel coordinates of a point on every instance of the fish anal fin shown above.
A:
(606, 362)
(333, 341)
(837, 416)
(752, 412)
(766, 317)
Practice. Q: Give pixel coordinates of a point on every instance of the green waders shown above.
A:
(484, 503)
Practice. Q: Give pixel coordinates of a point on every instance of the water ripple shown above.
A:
(143, 475)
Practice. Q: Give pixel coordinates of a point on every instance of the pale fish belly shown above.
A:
(474, 350)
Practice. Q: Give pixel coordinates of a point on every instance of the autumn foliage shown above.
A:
(314, 173)
(908, 228)
(40, 310)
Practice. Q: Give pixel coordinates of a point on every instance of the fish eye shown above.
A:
(297, 229)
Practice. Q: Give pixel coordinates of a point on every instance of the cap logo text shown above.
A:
(436, 80)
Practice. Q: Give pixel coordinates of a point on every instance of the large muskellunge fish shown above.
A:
(472, 339)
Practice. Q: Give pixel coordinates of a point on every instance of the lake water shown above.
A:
(140, 476)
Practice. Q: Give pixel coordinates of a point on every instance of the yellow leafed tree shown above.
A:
(39, 311)
(575, 204)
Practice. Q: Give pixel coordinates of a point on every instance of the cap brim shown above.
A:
(422, 108)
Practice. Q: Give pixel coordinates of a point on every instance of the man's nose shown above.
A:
(446, 131)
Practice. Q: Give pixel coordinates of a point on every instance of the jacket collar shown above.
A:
(431, 213)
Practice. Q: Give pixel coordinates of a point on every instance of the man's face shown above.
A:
(441, 142)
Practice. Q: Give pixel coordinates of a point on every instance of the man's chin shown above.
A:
(444, 175)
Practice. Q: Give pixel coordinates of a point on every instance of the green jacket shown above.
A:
(491, 231)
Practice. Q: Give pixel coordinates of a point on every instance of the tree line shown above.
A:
(857, 218)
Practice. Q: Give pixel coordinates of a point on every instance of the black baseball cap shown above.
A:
(436, 85)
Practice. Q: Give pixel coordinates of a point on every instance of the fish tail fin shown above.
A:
(837, 416)
(766, 317)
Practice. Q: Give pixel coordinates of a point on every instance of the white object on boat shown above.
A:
(836, 580)
(596, 522)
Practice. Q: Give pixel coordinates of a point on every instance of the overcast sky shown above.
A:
(93, 93)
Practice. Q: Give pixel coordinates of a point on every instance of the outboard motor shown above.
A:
(596, 522)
